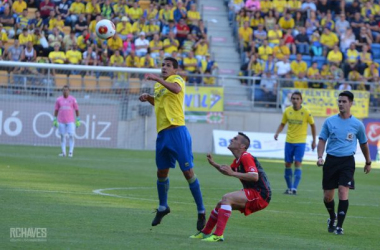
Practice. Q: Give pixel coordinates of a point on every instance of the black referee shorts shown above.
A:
(338, 171)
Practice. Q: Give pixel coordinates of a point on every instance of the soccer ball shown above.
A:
(105, 29)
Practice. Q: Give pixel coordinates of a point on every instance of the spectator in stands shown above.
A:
(355, 76)
(367, 10)
(103, 56)
(165, 15)
(283, 67)
(268, 85)
(141, 45)
(138, 26)
(365, 59)
(254, 68)
(18, 7)
(182, 31)
(357, 23)
(69, 40)
(128, 45)
(313, 75)
(55, 38)
(22, 21)
(346, 39)
(28, 54)
(308, 6)
(57, 56)
(365, 38)
(135, 13)
(274, 36)
(270, 21)
(299, 21)
(179, 12)
(73, 55)
(152, 12)
(170, 27)
(37, 22)
(160, 58)
(91, 28)
(62, 8)
(84, 40)
(190, 63)
(2, 51)
(256, 20)
(252, 5)
(337, 74)
(114, 44)
(3, 34)
(193, 16)
(132, 60)
(351, 9)
(155, 46)
(25, 37)
(302, 42)
(208, 79)
(335, 56)
(201, 49)
(200, 31)
(147, 61)
(373, 26)
(8, 22)
(323, 7)
(260, 35)
(92, 10)
(281, 50)
(298, 67)
(344, 86)
(290, 42)
(327, 22)
(286, 22)
(312, 23)
(89, 57)
(328, 40)
(170, 44)
(371, 74)
(45, 7)
(352, 59)
(245, 35)
(341, 25)
(234, 8)
(264, 51)
(151, 28)
(81, 25)
(208, 64)
(121, 9)
(116, 60)
(76, 9)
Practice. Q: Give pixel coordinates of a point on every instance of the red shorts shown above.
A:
(255, 202)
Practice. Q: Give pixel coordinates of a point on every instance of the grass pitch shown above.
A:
(104, 199)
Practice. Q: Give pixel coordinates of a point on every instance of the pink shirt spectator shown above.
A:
(66, 108)
(253, 5)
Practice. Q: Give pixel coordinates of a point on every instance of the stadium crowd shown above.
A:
(63, 32)
(315, 43)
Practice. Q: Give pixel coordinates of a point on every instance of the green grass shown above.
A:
(40, 190)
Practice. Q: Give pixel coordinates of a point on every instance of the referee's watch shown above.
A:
(368, 163)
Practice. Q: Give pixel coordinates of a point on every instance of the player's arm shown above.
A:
(174, 88)
(147, 98)
(313, 132)
(320, 151)
(365, 150)
(279, 129)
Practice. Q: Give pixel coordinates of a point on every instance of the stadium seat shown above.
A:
(75, 81)
(31, 13)
(292, 57)
(90, 83)
(375, 47)
(307, 59)
(144, 4)
(60, 80)
(105, 83)
(320, 60)
(134, 85)
(4, 78)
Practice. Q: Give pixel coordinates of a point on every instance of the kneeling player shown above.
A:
(254, 197)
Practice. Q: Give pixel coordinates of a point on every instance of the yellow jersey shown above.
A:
(169, 107)
(298, 67)
(297, 120)
(74, 56)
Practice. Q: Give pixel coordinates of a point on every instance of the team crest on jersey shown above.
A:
(350, 136)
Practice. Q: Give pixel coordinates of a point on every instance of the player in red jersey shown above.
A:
(254, 196)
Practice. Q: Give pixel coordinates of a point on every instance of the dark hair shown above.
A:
(297, 93)
(349, 95)
(66, 87)
(246, 140)
(173, 60)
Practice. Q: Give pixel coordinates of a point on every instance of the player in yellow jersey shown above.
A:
(297, 117)
(173, 139)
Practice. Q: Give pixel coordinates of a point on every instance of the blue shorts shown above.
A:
(173, 145)
(294, 151)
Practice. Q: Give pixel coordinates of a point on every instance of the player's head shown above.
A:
(240, 142)
(345, 100)
(169, 67)
(66, 91)
(296, 99)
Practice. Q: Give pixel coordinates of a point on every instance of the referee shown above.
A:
(342, 132)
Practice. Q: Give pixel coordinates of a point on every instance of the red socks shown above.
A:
(218, 217)
(211, 221)
(223, 216)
